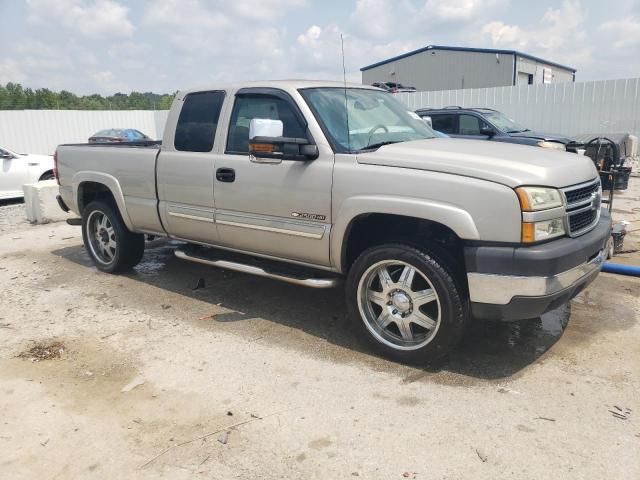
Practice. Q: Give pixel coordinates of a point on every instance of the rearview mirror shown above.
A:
(266, 142)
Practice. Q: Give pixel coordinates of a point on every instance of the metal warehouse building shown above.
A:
(448, 68)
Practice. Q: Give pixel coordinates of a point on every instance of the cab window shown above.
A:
(196, 128)
(248, 107)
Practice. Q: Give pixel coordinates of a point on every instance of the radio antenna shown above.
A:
(344, 80)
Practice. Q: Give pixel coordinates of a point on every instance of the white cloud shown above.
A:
(626, 31)
(263, 10)
(99, 19)
(457, 10)
(318, 54)
(378, 19)
(185, 15)
(505, 34)
(106, 81)
(559, 36)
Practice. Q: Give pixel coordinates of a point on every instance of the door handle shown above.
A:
(226, 175)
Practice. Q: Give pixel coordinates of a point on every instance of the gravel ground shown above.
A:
(12, 215)
(141, 376)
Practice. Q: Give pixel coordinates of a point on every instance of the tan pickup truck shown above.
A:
(316, 182)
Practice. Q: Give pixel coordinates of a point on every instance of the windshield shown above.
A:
(504, 123)
(371, 118)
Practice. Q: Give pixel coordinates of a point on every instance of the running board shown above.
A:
(298, 275)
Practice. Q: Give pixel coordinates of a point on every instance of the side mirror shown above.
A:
(265, 127)
(428, 121)
(487, 130)
(6, 156)
(266, 141)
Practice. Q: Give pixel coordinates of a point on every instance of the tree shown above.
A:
(14, 97)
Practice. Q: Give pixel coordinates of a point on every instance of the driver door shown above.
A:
(280, 208)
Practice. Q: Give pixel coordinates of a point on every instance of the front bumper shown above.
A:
(514, 283)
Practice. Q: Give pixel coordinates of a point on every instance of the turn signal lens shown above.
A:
(538, 231)
(261, 147)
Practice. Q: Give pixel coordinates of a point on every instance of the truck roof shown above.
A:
(292, 84)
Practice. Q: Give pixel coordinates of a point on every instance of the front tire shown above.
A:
(406, 302)
(111, 246)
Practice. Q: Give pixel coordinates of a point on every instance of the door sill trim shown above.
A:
(263, 228)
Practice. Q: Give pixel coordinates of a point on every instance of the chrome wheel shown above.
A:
(399, 305)
(102, 237)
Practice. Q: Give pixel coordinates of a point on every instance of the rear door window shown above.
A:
(198, 121)
(445, 123)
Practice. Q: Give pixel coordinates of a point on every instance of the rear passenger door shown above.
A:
(445, 123)
(185, 168)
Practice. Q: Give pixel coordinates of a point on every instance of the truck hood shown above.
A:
(509, 164)
(549, 137)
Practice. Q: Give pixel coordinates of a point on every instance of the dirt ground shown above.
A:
(143, 376)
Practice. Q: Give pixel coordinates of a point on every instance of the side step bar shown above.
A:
(327, 282)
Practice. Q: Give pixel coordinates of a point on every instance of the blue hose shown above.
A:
(621, 269)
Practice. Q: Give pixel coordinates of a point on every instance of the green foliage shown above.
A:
(14, 97)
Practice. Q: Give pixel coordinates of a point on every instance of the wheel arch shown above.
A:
(407, 214)
(88, 186)
(46, 174)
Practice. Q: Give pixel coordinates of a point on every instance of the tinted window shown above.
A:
(444, 123)
(469, 125)
(198, 120)
(248, 107)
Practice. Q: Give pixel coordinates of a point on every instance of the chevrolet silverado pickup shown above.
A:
(320, 183)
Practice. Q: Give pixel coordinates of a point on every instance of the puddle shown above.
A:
(155, 260)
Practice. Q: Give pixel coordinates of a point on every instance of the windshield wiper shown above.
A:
(374, 146)
(520, 131)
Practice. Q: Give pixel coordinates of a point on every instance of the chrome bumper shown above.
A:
(501, 289)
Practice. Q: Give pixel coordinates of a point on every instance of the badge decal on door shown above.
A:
(308, 216)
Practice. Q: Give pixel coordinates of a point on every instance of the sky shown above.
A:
(106, 46)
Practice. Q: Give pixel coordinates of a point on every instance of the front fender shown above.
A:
(457, 219)
(108, 181)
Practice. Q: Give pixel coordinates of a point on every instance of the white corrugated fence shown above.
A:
(40, 131)
(603, 106)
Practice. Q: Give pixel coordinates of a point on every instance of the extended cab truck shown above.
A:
(312, 182)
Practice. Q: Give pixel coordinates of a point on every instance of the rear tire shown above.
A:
(406, 302)
(111, 246)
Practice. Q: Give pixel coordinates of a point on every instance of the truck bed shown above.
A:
(128, 169)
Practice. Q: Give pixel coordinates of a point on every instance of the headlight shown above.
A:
(544, 230)
(538, 198)
(556, 145)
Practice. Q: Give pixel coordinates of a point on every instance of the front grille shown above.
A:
(580, 194)
(582, 220)
(583, 206)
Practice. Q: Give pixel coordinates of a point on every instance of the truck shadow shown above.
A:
(488, 351)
